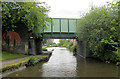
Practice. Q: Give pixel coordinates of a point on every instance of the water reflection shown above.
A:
(63, 64)
(94, 68)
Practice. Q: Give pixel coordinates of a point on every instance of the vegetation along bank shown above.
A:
(24, 61)
(100, 29)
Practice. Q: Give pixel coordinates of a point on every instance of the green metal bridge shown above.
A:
(62, 28)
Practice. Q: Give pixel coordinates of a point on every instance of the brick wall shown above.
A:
(73, 41)
(22, 31)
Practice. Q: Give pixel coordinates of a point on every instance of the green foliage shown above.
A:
(44, 49)
(99, 28)
(23, 62)
(10, 68)
(49, 42)
(44, 41)
(32, 61)
(74, 48)
(68, 44)
(32, 14)
(118, 63)
(61, 42)
(64, 43)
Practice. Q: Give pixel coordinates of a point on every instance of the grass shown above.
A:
(42, 56)
(23, 60)
(44, 49)
(6, 55)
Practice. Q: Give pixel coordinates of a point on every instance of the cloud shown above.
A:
(71, 8)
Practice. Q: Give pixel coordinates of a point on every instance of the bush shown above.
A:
(32, 61)
(99, 30)
(44, 49)
(70, 45)
(74, 48)
(63, 43)
(118, 63)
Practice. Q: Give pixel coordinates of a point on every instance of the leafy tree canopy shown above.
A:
(32, 14)
(100, 29)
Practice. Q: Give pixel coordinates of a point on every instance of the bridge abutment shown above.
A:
(38, 45)
(35, 46)
(31, 47)
(82, 50)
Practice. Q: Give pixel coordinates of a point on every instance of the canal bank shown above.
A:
(13, 64)
(62, 63)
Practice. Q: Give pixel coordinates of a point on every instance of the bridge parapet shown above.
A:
(61, 28)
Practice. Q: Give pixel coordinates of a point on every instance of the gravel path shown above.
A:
(14, 60)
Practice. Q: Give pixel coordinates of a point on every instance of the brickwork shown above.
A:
(20, 35)
(73, 41)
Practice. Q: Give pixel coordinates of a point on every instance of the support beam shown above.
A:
(31, 43)
(38, 46)
(31, 47)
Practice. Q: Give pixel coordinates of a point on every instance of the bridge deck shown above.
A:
(61, 28)
(57, 35)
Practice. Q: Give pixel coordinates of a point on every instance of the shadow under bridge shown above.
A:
(61, 28)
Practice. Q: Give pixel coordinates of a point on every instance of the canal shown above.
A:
(63, 64)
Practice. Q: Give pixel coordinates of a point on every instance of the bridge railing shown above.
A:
(61, 25)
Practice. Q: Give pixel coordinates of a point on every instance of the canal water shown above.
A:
(62, 63)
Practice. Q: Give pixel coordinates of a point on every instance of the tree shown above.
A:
(50, 41)
(32, 14)
(99, 29)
